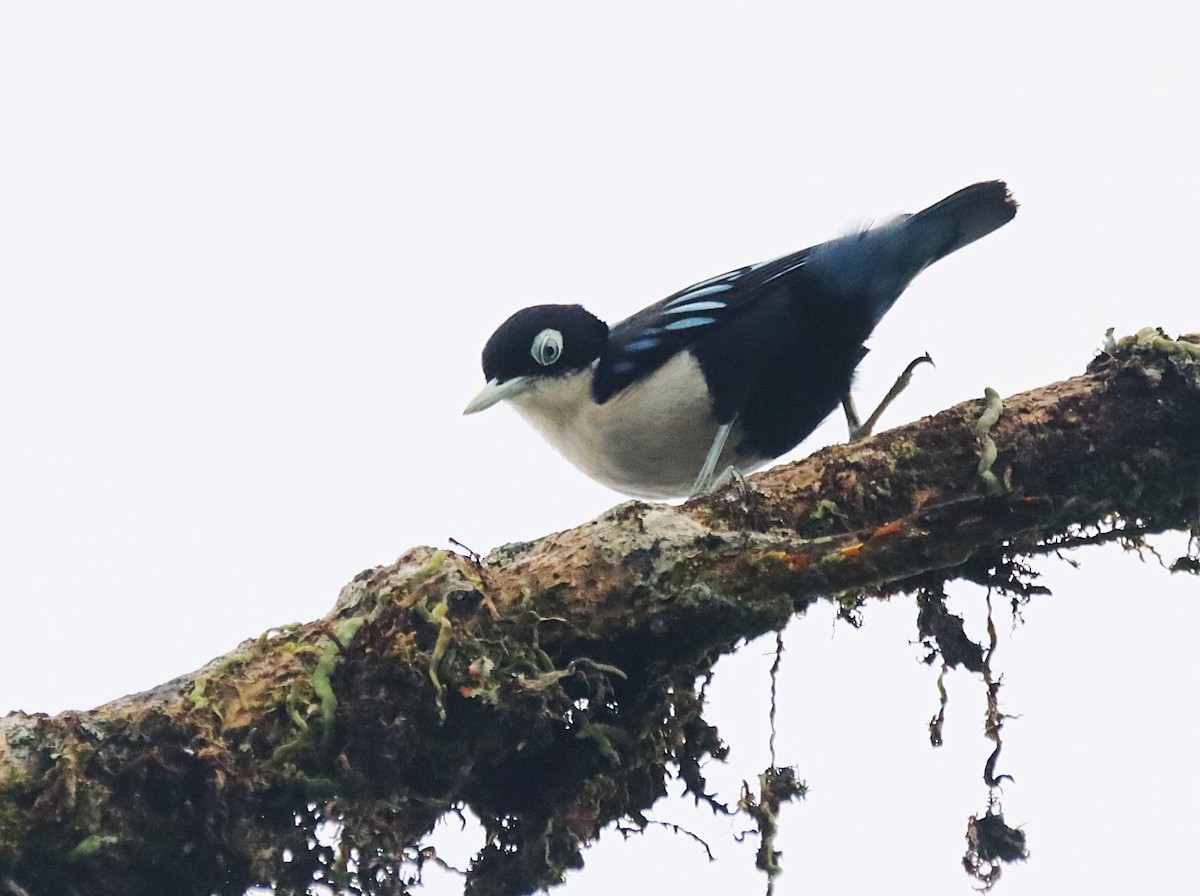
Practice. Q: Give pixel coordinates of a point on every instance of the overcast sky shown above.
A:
(249, 254)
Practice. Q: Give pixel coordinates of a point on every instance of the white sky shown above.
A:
(249, 254)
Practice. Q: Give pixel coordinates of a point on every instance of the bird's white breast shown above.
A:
(649, 440)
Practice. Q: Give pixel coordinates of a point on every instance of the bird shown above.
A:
(730, 373)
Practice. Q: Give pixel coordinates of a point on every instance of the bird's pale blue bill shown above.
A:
(496, 391)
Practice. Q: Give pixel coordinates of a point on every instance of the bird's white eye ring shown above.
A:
(547, 347)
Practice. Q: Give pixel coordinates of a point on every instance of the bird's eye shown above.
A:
(547, 347)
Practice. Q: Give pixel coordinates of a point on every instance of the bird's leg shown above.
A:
(705, 481)
(853, 424)
(860, 431)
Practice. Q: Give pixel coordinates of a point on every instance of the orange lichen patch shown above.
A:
(922, 496)
(852, 550)
(887, 529)
(791, 561)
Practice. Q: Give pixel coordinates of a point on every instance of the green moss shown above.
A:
(993, 407)
(318, 686)
(430, 568)
(199, 701)
(13, 825)
(347, 630)
(323, 690)
(92, 846)
(302, 649)
(602, 736)
(296, 696)
(322, 684)
(445, 631)
(825, 508)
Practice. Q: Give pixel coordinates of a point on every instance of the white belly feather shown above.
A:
(649, 440)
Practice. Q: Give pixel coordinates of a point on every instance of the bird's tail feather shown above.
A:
(874, 266)
(962, 218)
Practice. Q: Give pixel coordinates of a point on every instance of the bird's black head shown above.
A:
(534, 345)
(545, 340)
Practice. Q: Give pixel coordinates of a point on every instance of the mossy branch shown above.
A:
(552, 687)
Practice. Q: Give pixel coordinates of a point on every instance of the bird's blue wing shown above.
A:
(847, 283)
(639, 345)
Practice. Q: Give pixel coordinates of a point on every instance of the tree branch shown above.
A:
(552, 687)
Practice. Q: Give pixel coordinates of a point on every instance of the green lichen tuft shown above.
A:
(445, 631)
(323, 690)
(347, 630)
(295, 699)
(993, 407)
(825, 508)
(199, 701)
(429, 569)
(92, 846)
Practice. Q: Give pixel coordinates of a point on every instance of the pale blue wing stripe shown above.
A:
(710, 305)
(688, 322)
(701, 293)
(642, 345)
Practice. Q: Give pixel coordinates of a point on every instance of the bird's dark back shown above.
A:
(787, 358)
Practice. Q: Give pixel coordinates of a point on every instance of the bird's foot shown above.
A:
(859, 431)
(730, 477)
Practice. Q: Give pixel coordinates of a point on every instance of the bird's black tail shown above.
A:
(864, 273)
(959, 219)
